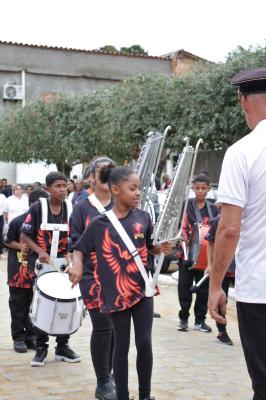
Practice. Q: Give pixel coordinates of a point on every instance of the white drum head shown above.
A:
(58, 286)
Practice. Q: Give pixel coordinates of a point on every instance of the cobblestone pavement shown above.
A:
(187, 366)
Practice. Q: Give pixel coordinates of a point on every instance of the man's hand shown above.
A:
(217, 305)
(44, 257)
(75, 272)
(166, 247)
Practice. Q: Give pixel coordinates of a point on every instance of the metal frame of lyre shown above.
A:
(147, 164)
(170, 222)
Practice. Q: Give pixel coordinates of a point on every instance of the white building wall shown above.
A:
(8, 171)
(36, 172)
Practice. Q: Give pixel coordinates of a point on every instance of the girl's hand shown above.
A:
(75, 272)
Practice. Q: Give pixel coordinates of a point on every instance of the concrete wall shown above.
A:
(68, 72)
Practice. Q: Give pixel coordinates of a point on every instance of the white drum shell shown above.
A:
(55, 316)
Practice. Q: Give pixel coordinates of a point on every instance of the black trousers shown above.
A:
(42, 340)
(142, 315)
(252, 328)
(225, 285)
(185, 281)
(101, 345)
(19, 304)
(1, 233)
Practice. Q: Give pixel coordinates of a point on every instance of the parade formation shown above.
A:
(98, 250)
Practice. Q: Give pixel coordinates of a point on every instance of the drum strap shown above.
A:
(198, 214)
(55, 228)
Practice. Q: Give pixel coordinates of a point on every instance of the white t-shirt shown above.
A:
(2, 203)
(15, 206)
(243, 183)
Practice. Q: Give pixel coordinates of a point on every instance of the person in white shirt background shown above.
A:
(16, 204)
(242, 228)
(2, 206)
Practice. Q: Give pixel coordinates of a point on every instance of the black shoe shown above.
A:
(105, 392)
(65, 353)
(156, 315)
(223, 338)
(20, 346)
(183, 325)
(31, 343)
(202, 327)
(40, 357)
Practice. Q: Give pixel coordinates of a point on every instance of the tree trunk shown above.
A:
(64, 168)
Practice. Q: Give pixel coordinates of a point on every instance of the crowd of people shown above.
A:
(111, 267)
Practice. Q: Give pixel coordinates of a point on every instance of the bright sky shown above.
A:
(207, 28)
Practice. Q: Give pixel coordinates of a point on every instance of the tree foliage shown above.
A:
(116, 120)
(110, 48)
(134, 49)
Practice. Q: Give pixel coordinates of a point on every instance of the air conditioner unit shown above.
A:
(12, 92)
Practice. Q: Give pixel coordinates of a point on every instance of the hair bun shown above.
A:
(105, 172)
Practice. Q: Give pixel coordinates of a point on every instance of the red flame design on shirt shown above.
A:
(124, 267)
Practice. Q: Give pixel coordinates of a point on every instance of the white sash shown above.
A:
(149, 290)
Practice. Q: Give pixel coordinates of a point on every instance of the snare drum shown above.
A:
(56, 309)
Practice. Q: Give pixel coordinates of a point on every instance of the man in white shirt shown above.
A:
(16, 204)
(242, 228)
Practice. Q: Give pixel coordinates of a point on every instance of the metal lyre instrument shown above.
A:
(147, 164)
(171, 219)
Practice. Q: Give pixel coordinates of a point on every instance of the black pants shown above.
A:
(102, 344)
(252, 328)
(19, 304)
(1, 233)
(142, 315)
(185, 281)
(42, 340)
(225, 285)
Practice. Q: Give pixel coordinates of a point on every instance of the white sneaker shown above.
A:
(175, 275)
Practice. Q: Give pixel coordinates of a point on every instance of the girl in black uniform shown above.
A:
(101, 344)
(122, 286)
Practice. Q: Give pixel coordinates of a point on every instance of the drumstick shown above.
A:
(194, 288)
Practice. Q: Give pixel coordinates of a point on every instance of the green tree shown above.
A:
(58, 132)
(134, 49)
(116, 120)
(109, 48)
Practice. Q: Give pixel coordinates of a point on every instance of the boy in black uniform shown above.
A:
(20, 281)
(198, 208)
(39, 241)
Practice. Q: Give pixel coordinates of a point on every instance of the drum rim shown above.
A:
(59, 299)
(41, 331)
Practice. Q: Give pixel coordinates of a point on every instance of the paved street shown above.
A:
(187, 366)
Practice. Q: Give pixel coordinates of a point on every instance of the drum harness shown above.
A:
(58, 264)
(194, 288)
(199, 224)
